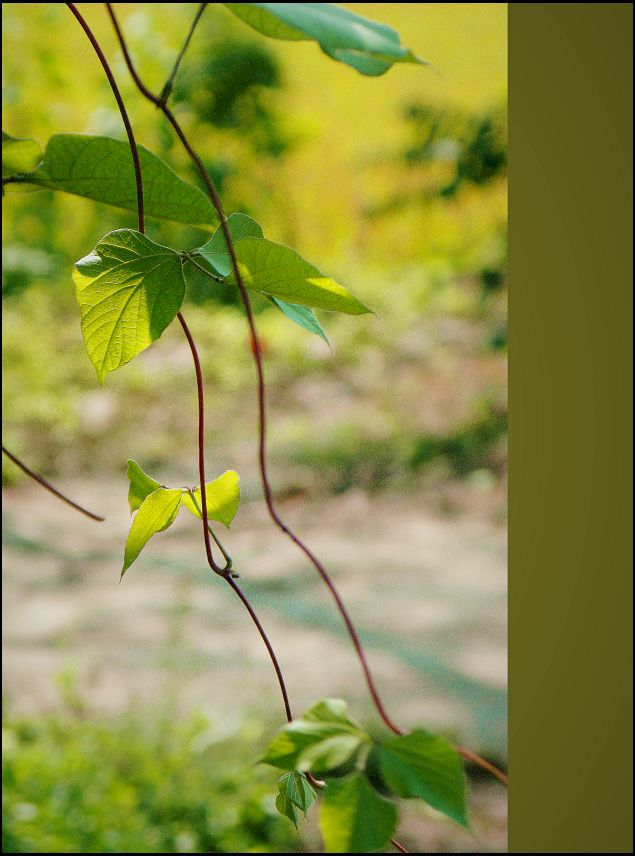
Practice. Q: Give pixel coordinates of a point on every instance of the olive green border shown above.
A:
(570, 428)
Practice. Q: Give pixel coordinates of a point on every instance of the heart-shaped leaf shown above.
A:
(422, 765)
(129, 289)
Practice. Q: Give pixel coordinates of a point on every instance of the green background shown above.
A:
(570, 400)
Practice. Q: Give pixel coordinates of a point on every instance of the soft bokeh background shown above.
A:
(133, 713)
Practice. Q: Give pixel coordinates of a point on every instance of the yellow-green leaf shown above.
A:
(223, 498)
(141, 485)
(156, 513)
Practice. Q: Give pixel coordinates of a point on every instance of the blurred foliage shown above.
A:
(126, 785)
(405, 204)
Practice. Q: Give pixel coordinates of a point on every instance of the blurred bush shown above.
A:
(72, 785)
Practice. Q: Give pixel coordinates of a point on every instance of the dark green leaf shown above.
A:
(156, 513)
(422, 765)
(222, 495)
(295, 793)
(19, 155)
(354, 818)
(280, 272)
(141, 485)
(102, 168)
(366, 46)
(215, 251)
(129, 289)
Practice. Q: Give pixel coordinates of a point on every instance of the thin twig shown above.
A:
(398, 846)
(169, 84)
(42, 481)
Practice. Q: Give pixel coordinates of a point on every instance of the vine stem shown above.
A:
(42, 481)
(398, 846)
(262, 458)
(197, 364)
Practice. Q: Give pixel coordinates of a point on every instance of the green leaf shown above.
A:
(365, 45)
(156, 513)
(325, 720)
(331, 710)
(216, 252)
(19, 155)
(301, 315)
(354, 818)
(331, 753)
(422, 765)
(101, 168)
(222, 495)
(280, 272)
(129, 289)
(295, 793)
(141, 485)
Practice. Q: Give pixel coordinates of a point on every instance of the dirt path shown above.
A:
(429, 596)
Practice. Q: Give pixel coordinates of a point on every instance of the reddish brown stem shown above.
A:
(122, 109)
(398, 846)
(481, 762)
(261, 397)
(197, 365)
(41, 480)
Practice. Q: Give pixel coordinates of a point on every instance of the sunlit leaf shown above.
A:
(19, 155)
(141, 485)
(281, 272)
(301, 315)
(354, 818)
(156, 513)
(129, 289)
(422, 765)
(367, 46)
(101, 168)
(222, 495)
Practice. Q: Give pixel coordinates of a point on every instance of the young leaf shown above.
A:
(19, 155)
(156, 513)
(354, 818)
(331, 753)
(129, 289)
(325, 720)
(366, 46)
(141, 485)
(301, 315)
(295, 793)
(280, 272)
(101, 168)
(215, 251)
(223, 498)
(422, 765)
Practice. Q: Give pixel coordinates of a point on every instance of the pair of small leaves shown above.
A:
(156, 506)
(102, 169)
(366, 46)
(355, 816)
